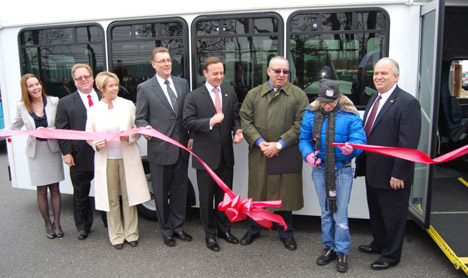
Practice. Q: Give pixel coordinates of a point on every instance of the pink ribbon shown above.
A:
(410, 154)
(235, 209)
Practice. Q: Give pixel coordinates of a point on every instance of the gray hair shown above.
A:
(396, 67)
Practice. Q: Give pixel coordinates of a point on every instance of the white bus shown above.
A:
(338, 39)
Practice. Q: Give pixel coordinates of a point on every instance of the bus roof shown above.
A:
(30, 13)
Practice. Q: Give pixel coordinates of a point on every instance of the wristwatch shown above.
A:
(279, 146)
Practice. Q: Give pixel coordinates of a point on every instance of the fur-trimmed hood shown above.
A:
(345, 104)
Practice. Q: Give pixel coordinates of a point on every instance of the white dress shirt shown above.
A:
(164, 87)
(84, 98)
(384, 97)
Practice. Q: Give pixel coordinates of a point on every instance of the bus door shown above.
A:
(439, 194)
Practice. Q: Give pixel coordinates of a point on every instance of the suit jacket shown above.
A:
(23, 118)
(398, 124)
(153, 108)
(208, 144)
(137, 187)
(71, 114)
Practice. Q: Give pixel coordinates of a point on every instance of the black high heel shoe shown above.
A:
(58, 234)
(50, 234)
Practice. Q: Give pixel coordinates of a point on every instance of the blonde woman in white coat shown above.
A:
(118, 170)
(37, 110)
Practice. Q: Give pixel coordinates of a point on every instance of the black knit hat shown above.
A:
(329, 90)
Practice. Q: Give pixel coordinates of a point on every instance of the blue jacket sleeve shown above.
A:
(305, 137)
(357, 135)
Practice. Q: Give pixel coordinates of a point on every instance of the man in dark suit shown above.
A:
(392, 119)
(211, 114)
(159, 105)
(77, 154)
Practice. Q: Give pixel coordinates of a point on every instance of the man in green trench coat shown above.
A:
(271, 117)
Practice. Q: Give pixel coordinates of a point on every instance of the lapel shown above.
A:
(79, 104)
(390, 101)
(158, 91)
(208, 100)
(178, 92)
(48, 111)
(224, 99)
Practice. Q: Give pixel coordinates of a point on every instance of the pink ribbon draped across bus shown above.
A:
(235, 208)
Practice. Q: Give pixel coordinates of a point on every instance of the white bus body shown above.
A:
(403, 46)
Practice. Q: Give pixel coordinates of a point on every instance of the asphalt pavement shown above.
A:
(26, 252)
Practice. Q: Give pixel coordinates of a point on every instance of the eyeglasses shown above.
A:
(167, 61)
(278, 71)
(83, 77)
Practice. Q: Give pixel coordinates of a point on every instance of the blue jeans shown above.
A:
(335, 229)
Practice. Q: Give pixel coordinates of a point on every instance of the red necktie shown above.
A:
(90, 101)
(371, 118)
(217, 101)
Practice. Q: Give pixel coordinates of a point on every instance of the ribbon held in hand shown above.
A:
(409, 154)
(235, 209)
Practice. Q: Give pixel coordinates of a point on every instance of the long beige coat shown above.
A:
(137, 187)
(273, 118)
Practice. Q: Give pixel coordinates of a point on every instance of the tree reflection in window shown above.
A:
(245, 44)
(343, 46)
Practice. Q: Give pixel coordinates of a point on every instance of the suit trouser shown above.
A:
(388, 211)
(116, 186)
(82, 211)
(211, 218)
(170, 179)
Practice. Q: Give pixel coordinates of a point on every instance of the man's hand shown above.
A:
(238, 137)
(147, 136)
(217, 119)
(269, 149)
(396, 184)
(190, 144)
(68, 159)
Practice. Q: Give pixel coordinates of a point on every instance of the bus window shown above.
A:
(50, 53)
(244, 42)
(341, 45)
(131, 44)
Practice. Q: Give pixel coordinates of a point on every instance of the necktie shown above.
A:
(172, 95)
(371, 118)
(217, 101)
(90, 101)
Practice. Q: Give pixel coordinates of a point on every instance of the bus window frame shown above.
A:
(255, 15)
(185, 38)
(75, 42)
(386, 33)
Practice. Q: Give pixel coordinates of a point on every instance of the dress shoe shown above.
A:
(230, 238)
(58, 231)
(342, 263)
(133, 243)
(118, 246)
(289, 243)
(327, 256)
(248, 238)
(82, 235)
(169, 241)
(50, 233)
(379, 265)
(367, 249)
(212, 244)
(182, 236)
